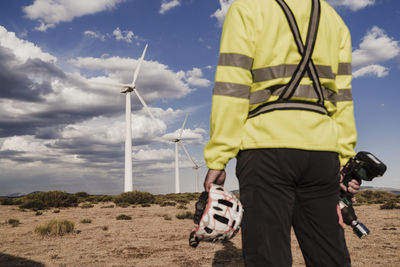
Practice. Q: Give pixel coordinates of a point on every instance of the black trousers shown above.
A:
(284, 187)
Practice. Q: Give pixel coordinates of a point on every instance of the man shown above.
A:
(282, 105)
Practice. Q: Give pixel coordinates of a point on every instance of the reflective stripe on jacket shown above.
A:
(258, 55)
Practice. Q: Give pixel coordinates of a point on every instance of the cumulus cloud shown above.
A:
(194, 77)
(168, 5)
(51, 12)
(125, 36)
(376, 47)
(352, 4)
(221, 12)
(23, 50)
(94, 35)
(371, 70)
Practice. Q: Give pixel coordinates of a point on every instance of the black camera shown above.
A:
(363, 166)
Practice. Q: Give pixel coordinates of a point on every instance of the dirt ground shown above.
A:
(153, 239)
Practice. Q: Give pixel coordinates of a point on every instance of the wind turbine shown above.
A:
(196, 167)
(178, 140)
(127, 89)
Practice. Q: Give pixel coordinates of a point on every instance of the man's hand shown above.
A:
(353, 186)
(214, 177)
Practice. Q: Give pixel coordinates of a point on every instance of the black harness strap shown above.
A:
(306, 64)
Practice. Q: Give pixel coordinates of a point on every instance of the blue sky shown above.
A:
(61, 131)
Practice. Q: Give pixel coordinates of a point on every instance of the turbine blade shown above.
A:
(146, 108)
(183, 126)
(138, 67)
(118, 85)
(187, 153)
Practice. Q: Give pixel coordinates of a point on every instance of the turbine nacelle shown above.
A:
(128, 89)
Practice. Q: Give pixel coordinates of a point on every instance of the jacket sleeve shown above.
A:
(344, 116)
(233, 79)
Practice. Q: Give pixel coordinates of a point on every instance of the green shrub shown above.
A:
(167, 203)
(53, 199)
(10, 201)
(167, 217)
(375, 197)
(34, 204)
(107, 207)
(38, 213)
(146, 205)
(87, 206)
(104, 228)
(135, 197)
(56, 211)
(185, 215)
(390, 205)
(82, 194)
(183, 198)
(55, 228)
(123, 205)
(182, 207)
(13, 222)
(86, 221)
(124, 217)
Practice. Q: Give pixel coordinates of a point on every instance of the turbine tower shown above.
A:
(127, 89)
(177, 141)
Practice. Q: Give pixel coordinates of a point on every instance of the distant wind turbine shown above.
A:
(127, 89)
(177, 140)
(196, 167)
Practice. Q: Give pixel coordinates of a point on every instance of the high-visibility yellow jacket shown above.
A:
(257, 54)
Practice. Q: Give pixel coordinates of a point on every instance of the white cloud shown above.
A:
(194, 77)
(375, 47)
(22, 49)
(155, 79)
(95, 35)
(352, 4)
(154, 155)
(371, 70)
(125, 36)
(165, 5)
(51, 12)
(221, 12)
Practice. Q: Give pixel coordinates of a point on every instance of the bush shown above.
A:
(55, 228)
(167, 217)
(185, 215)
(107, 207)
(182, 207)
(375, 197)
(104, 228)
(135, 197)
(182, 198)
(167, 203)
(124, 217)
(390, 205)
(38, 213)
(10, 201)
(86, 221)
(34, 204)
(123, 205)
(87, 206)
(82, 194)
(53, 199)
(13, 222)
(56, 211)
(146, 205)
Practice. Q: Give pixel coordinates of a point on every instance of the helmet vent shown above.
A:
(221, 219)
(217, 208)
(225, 202)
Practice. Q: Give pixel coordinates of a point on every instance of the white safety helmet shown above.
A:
(218, 216)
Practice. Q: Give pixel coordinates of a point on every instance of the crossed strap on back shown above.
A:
(306, 65)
